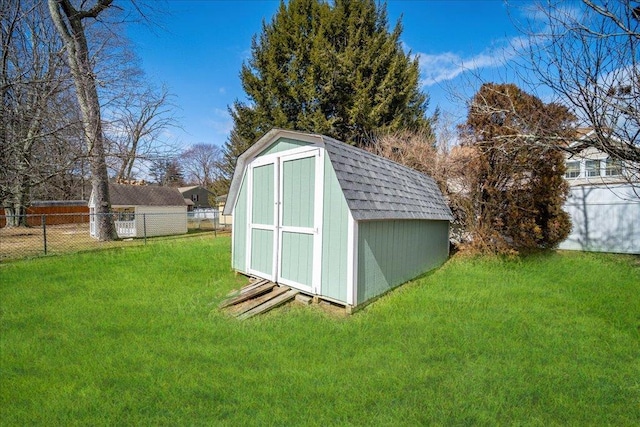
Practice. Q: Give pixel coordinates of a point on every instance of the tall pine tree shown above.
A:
(327, 67)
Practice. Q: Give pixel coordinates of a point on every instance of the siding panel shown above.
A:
(393, 252)
(282, 144)
(161, 220)
(262, 251)
(263, 195)
(240, 230)
(297, 257)
(334, 237)
(604, 219)
(298, 192)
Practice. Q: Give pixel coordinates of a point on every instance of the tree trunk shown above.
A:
(20, 188)
(15, 216)
(71, 28)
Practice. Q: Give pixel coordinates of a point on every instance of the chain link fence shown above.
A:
(38, 235)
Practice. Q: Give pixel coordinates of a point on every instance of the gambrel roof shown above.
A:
(374, 187)
(378, 188)
(144, 195)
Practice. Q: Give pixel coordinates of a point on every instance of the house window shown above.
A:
(194, 197)
(573, 170)
(592, 167)
(124, 214)
(613, 167)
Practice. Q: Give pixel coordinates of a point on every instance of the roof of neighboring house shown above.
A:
(587, 136)
(581, 133)
(185, 189)
(189, 202)
(374, 187)
(222, 198)
(43, 203)
(144, 195)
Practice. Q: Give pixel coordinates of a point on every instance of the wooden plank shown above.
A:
(281, 299)
(237, 310)
(234, 310)
(303, 299)
(251, 286)
(248, 295)
(233, 293)
(254, 285)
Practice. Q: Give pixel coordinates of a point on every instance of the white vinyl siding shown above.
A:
(161, 220)
(605, 218)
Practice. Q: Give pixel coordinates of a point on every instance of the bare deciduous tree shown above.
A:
(417, 150)
(70, 23)
(453, 168)
(135, 131)
(38, 109)
(202, 162)
(588, 55)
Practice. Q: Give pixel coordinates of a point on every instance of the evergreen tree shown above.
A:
(327, 67)
(516, 170)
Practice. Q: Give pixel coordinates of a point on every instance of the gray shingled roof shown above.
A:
(144, 195)
(378, 188)
(374, 187)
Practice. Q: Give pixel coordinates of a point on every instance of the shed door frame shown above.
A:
(277, 159)
(251, 226)
(315, 231)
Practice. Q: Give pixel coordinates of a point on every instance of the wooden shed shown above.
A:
(144, 210)
(332, 220)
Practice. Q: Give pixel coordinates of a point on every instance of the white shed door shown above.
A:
(285, 215)
(299, 221)
(262, 220)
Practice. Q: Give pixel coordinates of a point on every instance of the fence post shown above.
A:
(144, 227)
(44, 232)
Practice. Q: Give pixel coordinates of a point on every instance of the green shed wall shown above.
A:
(282, 144)
(334, 237)
(240, 229)
(393, 252)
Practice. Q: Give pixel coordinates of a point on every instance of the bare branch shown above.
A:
(588, 56)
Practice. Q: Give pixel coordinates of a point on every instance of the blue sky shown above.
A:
(198, 47)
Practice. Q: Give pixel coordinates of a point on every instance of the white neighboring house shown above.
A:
(141, 210)
(604, 203)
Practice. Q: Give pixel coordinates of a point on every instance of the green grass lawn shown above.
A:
(132, 336)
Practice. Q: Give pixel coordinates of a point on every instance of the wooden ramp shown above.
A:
(257, 297)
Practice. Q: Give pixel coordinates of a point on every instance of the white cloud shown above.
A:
(220, 121)
(446, 66)
(441, 67)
